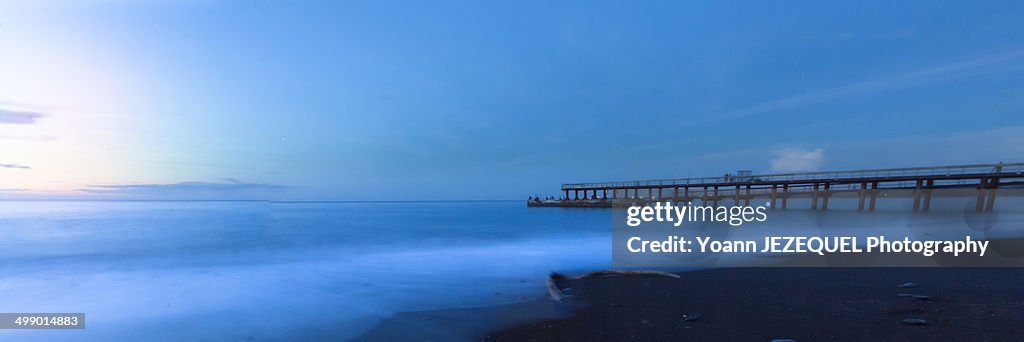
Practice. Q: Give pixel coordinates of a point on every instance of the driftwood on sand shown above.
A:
(607, 273)
(553, 290)
(557, 295)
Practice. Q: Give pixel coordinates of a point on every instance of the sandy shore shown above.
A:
(746, 304)
(469, 324)
(803, 304)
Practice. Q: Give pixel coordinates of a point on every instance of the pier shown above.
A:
(980, 181)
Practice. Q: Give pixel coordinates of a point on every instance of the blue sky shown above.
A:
(465, 100)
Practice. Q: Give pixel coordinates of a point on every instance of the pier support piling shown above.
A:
(929, 186)
(736, 197)
(860, 196)
(746, 197)
(814, 197)
(785, 195)
(979, 205)
(874, 195)
(917, 195)
(825, 195)
(993, 185)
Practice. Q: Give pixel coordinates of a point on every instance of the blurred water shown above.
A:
(221, 271)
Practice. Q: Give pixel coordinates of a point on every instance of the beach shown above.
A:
(745, 304)
(802, 304)
(748, 304)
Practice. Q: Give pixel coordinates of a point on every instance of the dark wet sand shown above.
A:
(803, 304)
(746, 304)
(468, 324)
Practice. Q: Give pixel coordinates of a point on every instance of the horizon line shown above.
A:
(241, 200)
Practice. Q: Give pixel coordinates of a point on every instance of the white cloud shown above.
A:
(10, 116)
(797, 159)
(13, 166)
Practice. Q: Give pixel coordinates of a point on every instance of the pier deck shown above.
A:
(866, 185)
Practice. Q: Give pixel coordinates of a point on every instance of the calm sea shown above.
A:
(228, 271)
(256, 271)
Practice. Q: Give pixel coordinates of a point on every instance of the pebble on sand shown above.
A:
(915, 321)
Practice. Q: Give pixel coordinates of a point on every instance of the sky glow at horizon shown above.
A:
(456, 100)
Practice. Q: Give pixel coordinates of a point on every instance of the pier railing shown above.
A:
(950, 172)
